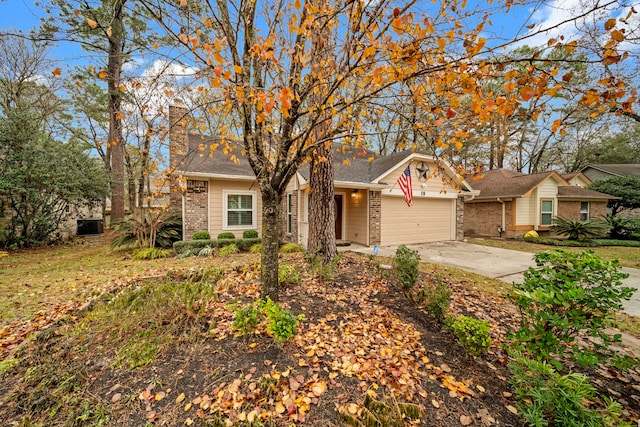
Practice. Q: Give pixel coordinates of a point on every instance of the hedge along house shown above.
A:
(512, 203)
(220, 193)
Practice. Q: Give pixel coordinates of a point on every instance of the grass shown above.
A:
(40, 279)
(628, 256)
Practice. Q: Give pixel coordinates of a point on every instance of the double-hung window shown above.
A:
(239, 209)
(289, 213)
(584, 211)
(546, 212)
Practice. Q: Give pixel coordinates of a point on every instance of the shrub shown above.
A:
(288, 274)
(620, 227)
(207, 251)
(280, 323)
(226, 235)
(148, 230)
(567, 294)
(548, 398)
(472, 334)
(201, 235)
(250, 234)
(578, 230)
(151, 253)
(289, 248)
(256, 248)
(436, 296)
(230, 249)
(405, 267)
(194, 246)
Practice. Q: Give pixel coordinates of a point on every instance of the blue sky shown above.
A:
(24, 15)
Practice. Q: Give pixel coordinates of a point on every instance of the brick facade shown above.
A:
(196, 213)
(178, 144)
(459, 218)
(375, 217)
(484, 218)
(571, 209)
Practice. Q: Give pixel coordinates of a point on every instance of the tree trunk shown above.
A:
(270, 236)
(114, 67)
(322, 211)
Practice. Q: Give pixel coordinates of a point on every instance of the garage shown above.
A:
(427, 220)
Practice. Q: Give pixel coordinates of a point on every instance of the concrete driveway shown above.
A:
(497, 263)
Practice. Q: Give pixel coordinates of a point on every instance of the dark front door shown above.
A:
(339, 200)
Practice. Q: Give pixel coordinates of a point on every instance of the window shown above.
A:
(289, 213)
(584, 211)
(546, 212)
(239, 210)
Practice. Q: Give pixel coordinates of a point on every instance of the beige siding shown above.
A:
(437, 180)
(523, 211)
(427, 220)
(356, 216)
(216, 188)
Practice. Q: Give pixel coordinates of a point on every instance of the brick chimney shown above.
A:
(178, 146)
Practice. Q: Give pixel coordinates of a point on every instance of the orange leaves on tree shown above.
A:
(56, 72)
(556, 125)
(285, 97)
(609, 24)
(90, 22)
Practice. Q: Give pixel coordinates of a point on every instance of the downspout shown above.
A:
(503, 219)
(368, 222)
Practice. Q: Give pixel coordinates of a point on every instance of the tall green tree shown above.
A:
(626, 188)
(42, 180)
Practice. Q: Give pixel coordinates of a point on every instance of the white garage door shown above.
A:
(427, 220)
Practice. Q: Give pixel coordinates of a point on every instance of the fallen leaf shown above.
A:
(187, 406)
(352, 408)
(319, 388)
(160, 395)
(480, 388)
(512, 409)
(465, 420)
(180, 398)
(507, 394)
(435, 403)
(445, 367)
(116, 397)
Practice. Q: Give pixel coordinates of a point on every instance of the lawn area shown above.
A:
(628, 256)
(161, 344)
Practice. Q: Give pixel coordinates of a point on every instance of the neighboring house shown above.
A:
(596, 172)
(511, 203)
(221, 193)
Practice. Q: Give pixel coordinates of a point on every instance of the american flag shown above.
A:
(405, 184)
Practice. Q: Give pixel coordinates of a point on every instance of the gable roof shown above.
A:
(504, 183)
(352, 166)
(630, 169)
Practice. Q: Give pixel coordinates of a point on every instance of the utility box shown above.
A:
(90, 226)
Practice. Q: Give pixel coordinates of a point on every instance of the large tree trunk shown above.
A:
(114, 67)
(270, 236)
(322, 235)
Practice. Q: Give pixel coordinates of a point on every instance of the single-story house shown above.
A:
(595, 172)
(220, 193)
(512, 203)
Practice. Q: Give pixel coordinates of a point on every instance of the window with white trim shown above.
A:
(584, 211)
(546, 212)
(289, 213)
(239, 209)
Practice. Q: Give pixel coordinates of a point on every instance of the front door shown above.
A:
(339, 198)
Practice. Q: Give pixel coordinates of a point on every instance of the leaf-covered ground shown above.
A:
(162, 351)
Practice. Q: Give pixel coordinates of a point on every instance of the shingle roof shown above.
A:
(631, 169)
(201, 159)
(507, 183)
(573, 191)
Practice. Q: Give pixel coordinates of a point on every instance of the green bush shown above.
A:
(288, 274)
(194, 246)
(280, 324)
(226, 235)
(578, 230)
(151, 253)
(148, 230)
(230, 249)
(405, 267)
(249, 234)
(566, 295)
(547, 398)
(620, 227)
(436, 296)
(201, 235)
(472, 334)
